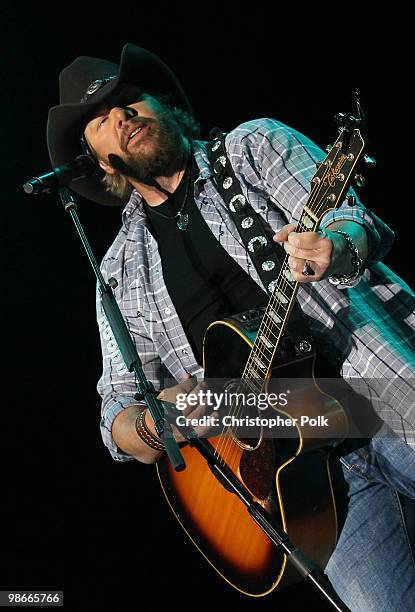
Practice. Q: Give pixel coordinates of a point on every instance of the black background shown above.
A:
(64, 501)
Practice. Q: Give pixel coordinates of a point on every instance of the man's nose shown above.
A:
(121, 114)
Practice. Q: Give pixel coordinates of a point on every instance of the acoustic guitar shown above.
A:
(289, 475)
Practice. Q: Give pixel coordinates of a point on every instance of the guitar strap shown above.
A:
(266, 255)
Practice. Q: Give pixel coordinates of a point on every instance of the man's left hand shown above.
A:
(316, 248)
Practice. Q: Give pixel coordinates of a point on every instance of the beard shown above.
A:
(160, 153)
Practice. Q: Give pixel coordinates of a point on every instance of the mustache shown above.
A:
(130, 127)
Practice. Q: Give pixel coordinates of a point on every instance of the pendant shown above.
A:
(183, 221)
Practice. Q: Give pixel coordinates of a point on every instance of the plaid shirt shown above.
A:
(373, 322)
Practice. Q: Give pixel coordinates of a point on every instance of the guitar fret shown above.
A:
(259, 363)
(326, 190)
(306, 221)
(288, 275)
(248, 382)
(281, 297)
(266, 342)
(308, 213)
(273, 315)
(268, 328)
(263, 360)
(269, 331)
(257, 350)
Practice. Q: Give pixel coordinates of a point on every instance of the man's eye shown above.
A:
(103, 120)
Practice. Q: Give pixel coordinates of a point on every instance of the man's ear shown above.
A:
(106, 167)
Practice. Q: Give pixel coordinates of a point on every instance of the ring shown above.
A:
(308, 270)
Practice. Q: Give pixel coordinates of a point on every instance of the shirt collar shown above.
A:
(135, 204)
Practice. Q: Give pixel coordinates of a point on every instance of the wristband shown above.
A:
(145, 434)
(348, 280)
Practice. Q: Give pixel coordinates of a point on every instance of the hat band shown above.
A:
(94, 86)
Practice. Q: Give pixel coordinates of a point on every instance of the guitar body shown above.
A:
(289, 476)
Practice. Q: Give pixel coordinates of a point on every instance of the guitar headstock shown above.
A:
(335, 172)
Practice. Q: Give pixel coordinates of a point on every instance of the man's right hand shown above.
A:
(189, 385)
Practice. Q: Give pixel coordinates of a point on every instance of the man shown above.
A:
(179, 264)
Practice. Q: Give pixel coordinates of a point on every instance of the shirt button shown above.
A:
(185, 352)
(167, 311)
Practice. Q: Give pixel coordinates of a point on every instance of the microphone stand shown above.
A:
(305, 566)
(145, 388)
(163, 414)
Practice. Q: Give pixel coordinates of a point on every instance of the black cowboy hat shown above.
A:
(84, 86)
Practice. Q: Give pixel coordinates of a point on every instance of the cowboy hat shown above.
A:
(85, 85)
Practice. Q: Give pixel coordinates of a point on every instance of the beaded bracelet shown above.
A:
(145, 434)
(356, 262)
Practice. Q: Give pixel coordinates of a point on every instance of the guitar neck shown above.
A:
(328, 187)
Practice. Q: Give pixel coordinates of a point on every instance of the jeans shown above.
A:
(373, 567)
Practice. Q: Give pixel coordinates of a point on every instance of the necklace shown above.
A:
(182, 218)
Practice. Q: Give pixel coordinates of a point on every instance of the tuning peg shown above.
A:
(369, 161)
(360, 180)
(340, 117)
(329, 148)
(360, 112)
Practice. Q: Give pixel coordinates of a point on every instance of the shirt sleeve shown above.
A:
(285, 162)
(117, 385)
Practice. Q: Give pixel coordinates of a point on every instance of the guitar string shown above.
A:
(255, 352)
(285, 268)
(284, 282)
(265, 332)
(227, 440)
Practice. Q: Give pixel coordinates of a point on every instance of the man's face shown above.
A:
(141, 143)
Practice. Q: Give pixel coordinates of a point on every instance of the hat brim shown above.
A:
(138, 67)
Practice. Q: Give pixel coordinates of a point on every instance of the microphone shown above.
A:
(79, 168)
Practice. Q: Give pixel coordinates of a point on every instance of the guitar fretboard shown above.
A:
(328, 186)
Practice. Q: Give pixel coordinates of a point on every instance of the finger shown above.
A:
(197, 399)
(283, 233)
(306, 240)
(296, 265)
(169, 393)
(189, 382)
(195, 412)
(200, 410)
(299, 253)
(208, 431)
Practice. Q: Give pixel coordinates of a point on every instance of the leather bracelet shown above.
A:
(348, 279)
(145, 434)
